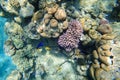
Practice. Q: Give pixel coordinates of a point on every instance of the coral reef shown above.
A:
(62, 39)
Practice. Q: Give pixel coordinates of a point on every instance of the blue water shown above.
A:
(6, 65)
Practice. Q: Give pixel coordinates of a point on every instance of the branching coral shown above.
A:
(70, 39)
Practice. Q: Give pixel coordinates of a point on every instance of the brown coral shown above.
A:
(65, 24)
(37, 15)
(47, 16)
(60, 14)
(108, 36)
(52, 8)
(53, 23)
(104, 28)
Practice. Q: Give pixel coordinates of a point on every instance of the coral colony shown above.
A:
(70, 39)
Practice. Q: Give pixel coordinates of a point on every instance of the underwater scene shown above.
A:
(59, 39)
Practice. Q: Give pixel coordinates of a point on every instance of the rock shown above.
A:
(15, 75)
(9, 48)
(14, 3)
(18, 19)
(13, 28)
(48, 65)
(22, 63)
(9, 7)
(26, 11)
(60, 14)
(30, 31)
(18, 43)
(23, 2)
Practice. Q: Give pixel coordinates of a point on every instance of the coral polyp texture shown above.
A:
(70, 39)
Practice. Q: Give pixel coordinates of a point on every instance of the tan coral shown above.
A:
(52, 8)
(107, 53)
(47, 16)
(98, 73)
(45, 35)
(95, 65)
(108, 36)
(46, 21)
(104, 52)
(104, 28)
(105, 60)
(105, 67)
(93, 34)
(105, 47)
(65, 24)
(82, 21)
(60, 14)
(55, 35)
(100, 51)
(92, 74)
(37, 15)
(39, 29)
(53, 23)
(95, 55)
(86, 28)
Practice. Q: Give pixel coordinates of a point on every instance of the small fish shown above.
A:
(47, 48)
(41, 44)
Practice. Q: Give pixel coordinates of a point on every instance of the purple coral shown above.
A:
(74, 28)
(70, 39)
